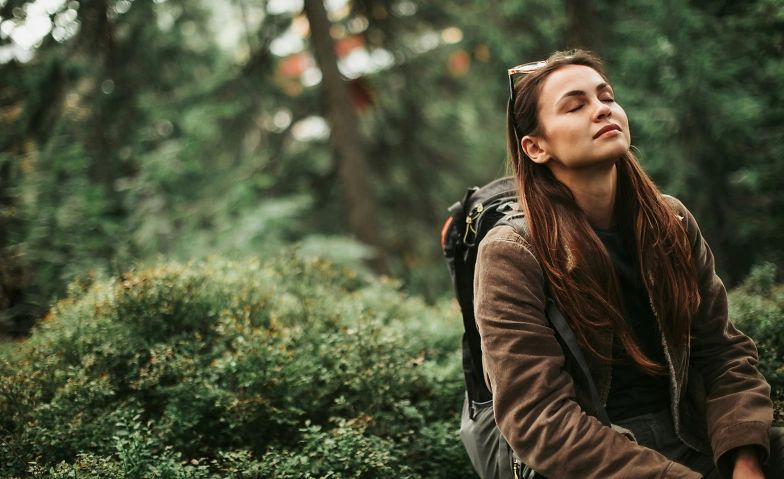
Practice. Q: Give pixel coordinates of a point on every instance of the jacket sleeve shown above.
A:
(533, 398)
(739, 411)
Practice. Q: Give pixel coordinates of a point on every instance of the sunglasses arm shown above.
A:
(511, 90)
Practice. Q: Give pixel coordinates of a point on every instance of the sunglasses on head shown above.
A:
(523, 69)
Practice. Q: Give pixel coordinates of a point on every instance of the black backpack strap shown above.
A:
(562, 327)
(516, 219)
(461, 268)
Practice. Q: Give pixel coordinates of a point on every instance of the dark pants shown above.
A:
(656, 431)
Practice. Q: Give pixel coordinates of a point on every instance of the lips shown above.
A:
(605, 129)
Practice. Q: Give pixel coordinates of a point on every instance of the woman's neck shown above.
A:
(594, 192)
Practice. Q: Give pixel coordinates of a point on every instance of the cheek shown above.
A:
(626, 130)
(623, 121)
(620, 115)
(566, 131)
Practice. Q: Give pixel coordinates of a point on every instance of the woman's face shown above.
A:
(582, 126)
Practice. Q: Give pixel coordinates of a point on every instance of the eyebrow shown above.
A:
(599, 87)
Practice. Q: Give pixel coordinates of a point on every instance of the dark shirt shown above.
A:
(632, 391)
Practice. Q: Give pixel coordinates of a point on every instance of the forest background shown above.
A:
(179, 129)
(167, 131)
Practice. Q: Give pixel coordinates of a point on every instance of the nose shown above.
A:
(603, 111)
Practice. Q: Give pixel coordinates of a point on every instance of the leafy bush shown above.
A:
(757, 309)
(286, 368)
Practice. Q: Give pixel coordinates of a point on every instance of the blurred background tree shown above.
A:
(131, 130)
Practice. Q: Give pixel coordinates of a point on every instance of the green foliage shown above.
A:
(757, 309)
(283, 368)
(193, 149)
(700, 82)
(343, 451)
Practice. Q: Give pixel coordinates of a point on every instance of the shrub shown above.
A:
(283, 368)
(287, 368)
(757, 309)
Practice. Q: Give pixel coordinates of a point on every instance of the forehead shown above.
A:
(567, 79)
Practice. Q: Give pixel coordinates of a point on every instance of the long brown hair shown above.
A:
(580, 274)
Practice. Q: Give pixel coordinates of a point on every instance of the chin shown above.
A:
(614, 155)
(607, 161)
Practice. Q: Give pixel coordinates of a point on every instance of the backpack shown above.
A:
(471, 218)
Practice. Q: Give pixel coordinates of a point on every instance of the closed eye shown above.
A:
(576, 108)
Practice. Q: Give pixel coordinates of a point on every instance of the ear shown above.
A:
(536, 149)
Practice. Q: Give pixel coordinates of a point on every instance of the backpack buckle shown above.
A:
(473, 216)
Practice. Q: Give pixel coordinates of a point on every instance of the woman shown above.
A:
(631, 271)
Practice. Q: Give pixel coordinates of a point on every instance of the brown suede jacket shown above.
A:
(543, 407)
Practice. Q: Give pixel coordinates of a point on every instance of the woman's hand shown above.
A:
(747, 464)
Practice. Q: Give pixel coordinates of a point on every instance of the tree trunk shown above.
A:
(104, 167)
(346, 136)
(582, 31)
